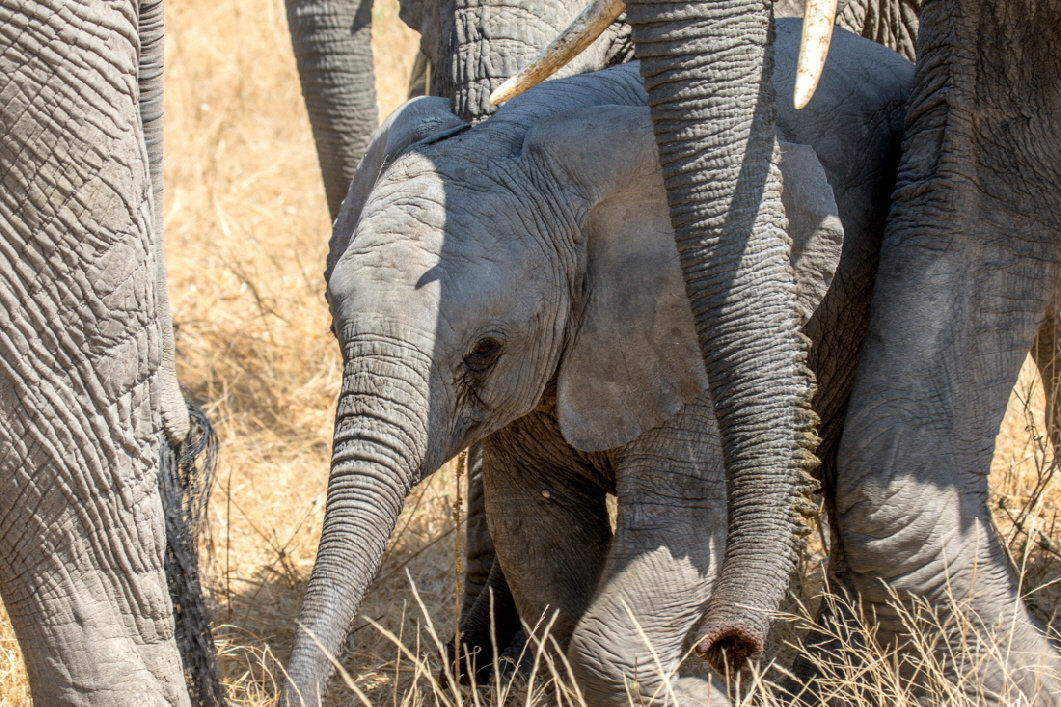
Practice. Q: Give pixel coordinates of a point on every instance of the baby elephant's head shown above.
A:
(473, 277)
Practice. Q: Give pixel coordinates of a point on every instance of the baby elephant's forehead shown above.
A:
(474, 200)
(411, 174)
(403, 197)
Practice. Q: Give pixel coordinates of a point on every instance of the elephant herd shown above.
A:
(652, 277)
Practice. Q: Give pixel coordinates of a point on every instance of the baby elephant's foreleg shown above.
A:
(628, 647)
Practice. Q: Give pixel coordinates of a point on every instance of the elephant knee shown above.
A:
(607, 676)
(896, 520)
(925, 554)
(615, 668)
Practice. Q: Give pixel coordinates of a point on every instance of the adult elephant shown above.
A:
(98, 485)
(968, 277)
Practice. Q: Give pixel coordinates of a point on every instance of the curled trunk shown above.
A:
(379, 448)
(708, 71)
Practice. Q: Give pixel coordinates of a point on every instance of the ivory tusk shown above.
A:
(570, 43)
(818, 20)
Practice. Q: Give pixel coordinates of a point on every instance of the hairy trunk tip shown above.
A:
(729, 647)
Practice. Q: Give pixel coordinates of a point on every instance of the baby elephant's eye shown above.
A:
(484, 355)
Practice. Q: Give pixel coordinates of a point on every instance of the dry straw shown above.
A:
(246, 232)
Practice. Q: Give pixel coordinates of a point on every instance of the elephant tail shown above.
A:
(186, 476)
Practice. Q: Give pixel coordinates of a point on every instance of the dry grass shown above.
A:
(246, 230)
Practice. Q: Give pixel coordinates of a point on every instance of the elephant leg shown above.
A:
(81, 571)
(478, 546)
(82, 534)
(967, 266)
(549, 520)
(952, 320)
(1046, 352)
(669, 543)
(488, 613)
(491, 623)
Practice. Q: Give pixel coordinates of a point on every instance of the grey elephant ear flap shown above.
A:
(633, 360)
(813, 224)
(414, 121)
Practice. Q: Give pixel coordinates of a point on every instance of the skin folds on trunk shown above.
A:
(708, 68)
(378, 454)
(892, 23)
(333, 47)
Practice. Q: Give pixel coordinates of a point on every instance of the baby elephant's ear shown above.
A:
(813, 224)
(415, 120)
(633, 360)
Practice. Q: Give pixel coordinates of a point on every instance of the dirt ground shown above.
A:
(246, 237)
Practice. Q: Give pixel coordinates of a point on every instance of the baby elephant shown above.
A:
(517, 282)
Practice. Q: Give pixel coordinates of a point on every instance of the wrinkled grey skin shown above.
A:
(968, 277)
(517, 282)
(724, 195)
(89, 399)
(479, 43)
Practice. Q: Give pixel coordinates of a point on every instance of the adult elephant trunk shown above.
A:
(379, 451)
(708, 69)
(332, 40)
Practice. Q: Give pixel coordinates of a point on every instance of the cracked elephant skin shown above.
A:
(516, 282)
(89, 401)
(967, 287)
